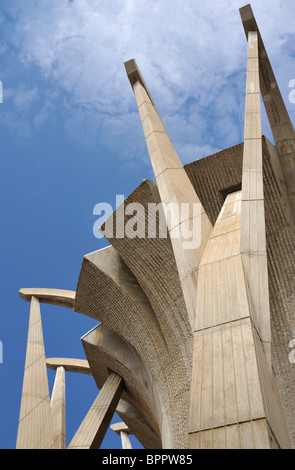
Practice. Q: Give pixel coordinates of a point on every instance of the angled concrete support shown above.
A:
(95, 424)
(35, 430)
(58, 409)
(280, 123)
(188, 225)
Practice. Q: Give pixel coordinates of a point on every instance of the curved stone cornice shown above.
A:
(80, 366)
(60, 297)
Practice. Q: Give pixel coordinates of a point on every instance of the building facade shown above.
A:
(194, 321)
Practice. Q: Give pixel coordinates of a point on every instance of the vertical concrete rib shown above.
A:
(226, 396)
(35, 429)
(58, 409)
(233, 398)
(253, 237)
(253, 249)
(279, 119)
(184, 213)
(95, 424)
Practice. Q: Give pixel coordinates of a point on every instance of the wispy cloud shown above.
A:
(192, 55)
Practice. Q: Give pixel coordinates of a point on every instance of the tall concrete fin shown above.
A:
(279, 119)
(35, 430)
(253, 237)
(233, 400)
(188, 224)
(134, 75)
(226, 398)
(58, 409)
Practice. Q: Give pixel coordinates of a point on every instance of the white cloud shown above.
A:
(185, 49)
(190, 152)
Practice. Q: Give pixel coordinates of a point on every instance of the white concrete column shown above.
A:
(35, 430)
(58, 409)
(123, 431)
(126, 444)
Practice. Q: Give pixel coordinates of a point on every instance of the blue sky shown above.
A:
(71, 138)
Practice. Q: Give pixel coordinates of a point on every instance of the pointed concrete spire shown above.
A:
(35, 422)
(279, 119)
(184, 213)
(234, 401)
(253, 237)
(58, 409)
(234, 398)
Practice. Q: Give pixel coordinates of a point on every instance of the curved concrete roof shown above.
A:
(108, 291)
(152, 262)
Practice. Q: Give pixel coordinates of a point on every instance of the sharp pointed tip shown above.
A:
(132, 71)
(129, 62)
(131, 66)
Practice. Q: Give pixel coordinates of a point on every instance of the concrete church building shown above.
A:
(192, 348)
